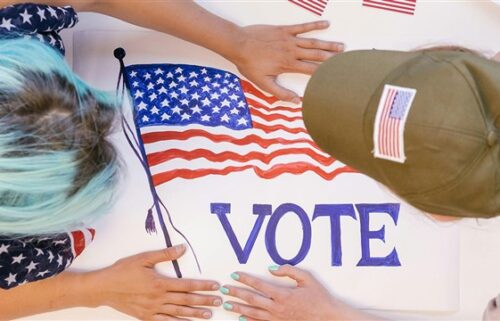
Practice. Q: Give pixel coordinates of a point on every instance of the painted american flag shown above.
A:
(315, 6)
(196, 121)
(390, 121)
(400, 6)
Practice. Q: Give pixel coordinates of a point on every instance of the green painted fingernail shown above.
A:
(242, 318)
(273, 267)
(235, 276)
(224, 290)
(227, 306)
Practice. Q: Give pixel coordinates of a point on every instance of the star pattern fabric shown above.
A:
(40, 22)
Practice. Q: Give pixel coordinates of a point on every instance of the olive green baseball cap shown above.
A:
(425, 124)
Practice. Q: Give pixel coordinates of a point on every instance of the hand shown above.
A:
(492, 311)
(308, 300)
(264, 52)
(132, 286)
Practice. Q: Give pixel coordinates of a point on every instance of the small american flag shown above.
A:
(390, 122)
(197, 121)
(314, 6)
(401, 6)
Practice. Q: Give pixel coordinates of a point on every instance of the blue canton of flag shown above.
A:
(186, 94)
(401, 104)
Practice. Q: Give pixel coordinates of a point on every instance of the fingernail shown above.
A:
(207, 315)
(215, 286)
(179, 248)
(296, 100)
(235, 276)
(217, 302)
(242, 318)
(341, 47)
(227, 306)
(224, 290)
(273, 267)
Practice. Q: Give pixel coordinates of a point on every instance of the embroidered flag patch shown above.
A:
(390, 120)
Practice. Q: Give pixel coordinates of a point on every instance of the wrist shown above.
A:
(81, 289)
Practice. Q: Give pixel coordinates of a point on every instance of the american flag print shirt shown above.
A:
(39, 22)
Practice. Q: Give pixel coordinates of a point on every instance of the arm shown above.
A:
(307, 301)
(131, 286)
(261, 52)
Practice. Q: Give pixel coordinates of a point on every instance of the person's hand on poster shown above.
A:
(265, 51)
(151, 296)
(308, 300)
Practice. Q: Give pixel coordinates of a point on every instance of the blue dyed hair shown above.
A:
(58, 172)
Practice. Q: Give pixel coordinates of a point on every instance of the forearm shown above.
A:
(181, 18)
(65, 290)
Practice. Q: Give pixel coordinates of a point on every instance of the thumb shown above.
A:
(169, 254)
(299, 275)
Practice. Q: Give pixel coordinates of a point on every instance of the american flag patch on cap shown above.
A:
(390, 121)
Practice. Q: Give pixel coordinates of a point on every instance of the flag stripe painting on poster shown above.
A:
(400, 6)
(315, 6)
(196, 121)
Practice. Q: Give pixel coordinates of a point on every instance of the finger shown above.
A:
(299, 275)
(308, 26)
(247, 310)
(251, 297)
(268, 289)
(310, 43)
(303, 67)
(168, 254)
(316, 55)
(270, 85)
(190, 285)
(192, 299)
(184, 311)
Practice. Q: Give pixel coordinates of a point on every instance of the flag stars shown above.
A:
(215, 85)
(162, 90)
(205, 89)
(181, 78)
(41, 13)
(205, 102)
(224, 90)
(142, 106)
(147, 76)
(153, 96)
(165, 103)
(151, 86)
(165, 116)
(11, 279)
(32, 266)
(133, 74)
(179, 70)
(216, 110)
(193, 83)
(183, 90)
(184, 102)
(204, 71)
(173, 94)
(225, 103)
(215, 96)
(205, 118)
(176, 110)
(160, 81)
(155, 110)
(18, 259)
(6, 24)
(38, 251)
(193, 74)
(145, 118)
(138, 94)
(225, 118)
(196, 110)
(52, 12)
(51, 256)
(235, 111)
(4, 248)
(185, 116)
(170, 75)
(159, 71)
(242, 121)
(135, 84)
(241, 104)
(59, 260)
(26, 16)
(173, 84)
(42, 274)
(218, 76)
(195, 96)
(233, 97)
(231, 85)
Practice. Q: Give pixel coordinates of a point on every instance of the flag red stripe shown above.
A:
(163, 156)
(315, 5)
(382, 125)
(273, 128)
(78, 242)
(392, 4)
(256, 104)
(389, 9)
(154, 137)
(312, 9)
(275, 116)
(277, 170)
(249, 88)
